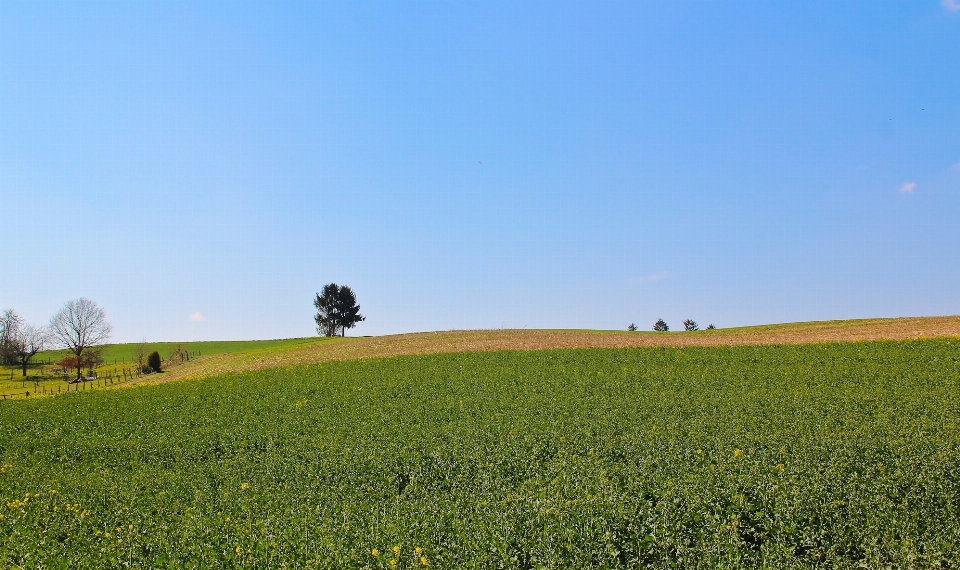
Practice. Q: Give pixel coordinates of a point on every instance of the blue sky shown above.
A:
(202, 169)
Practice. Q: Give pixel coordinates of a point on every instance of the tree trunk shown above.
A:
(24, 363)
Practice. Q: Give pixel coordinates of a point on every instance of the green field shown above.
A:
(42, 379)
(120, 353)
(836, 455)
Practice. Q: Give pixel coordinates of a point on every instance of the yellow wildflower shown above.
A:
(244, 486)
(375, 552)
(396, 550)
(418, 551)
(238, 550)
(737, 452)
(423, 560)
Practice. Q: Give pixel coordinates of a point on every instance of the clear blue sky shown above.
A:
(732, 162)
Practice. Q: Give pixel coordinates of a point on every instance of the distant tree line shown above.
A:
(661, 325)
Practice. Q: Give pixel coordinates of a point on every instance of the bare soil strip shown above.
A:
(491, 340)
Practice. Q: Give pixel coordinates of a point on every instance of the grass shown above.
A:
(41, 377)
(487, 340)
(224, 357)
(116, 354)
(835, 455)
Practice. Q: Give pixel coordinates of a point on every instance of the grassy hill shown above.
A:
(780, 455)
(126, 352)
(492, 340)
(219, 357)
(120, 361)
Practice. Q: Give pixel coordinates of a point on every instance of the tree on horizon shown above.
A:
(337, 310)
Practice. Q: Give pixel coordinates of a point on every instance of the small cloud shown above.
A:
(908, 187)
(951, 5)
(197, 317)
(648, 278)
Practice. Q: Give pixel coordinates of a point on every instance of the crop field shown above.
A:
(837, 455)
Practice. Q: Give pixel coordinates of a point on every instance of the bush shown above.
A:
(632, 327)
(710, 327)
(660, 326)
(690, 325)
(146, 369)
(153, 361)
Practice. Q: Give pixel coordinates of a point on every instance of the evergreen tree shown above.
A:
(153, 361)
(337, 310)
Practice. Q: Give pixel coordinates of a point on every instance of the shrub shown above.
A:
(153, 361)
(710, 327)
(146, 369)
(632, 327)
(690, 325)
(660, 326)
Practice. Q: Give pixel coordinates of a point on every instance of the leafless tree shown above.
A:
(27, 342)
(80, 325)
(19, 341)
(141, 354)
(10, 323)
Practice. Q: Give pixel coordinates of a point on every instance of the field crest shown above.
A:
(540, 339)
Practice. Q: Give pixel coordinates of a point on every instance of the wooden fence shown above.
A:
(111, 378)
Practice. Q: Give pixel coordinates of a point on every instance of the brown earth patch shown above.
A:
(489, 340)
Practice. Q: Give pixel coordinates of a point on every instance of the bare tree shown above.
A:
(27, 342)
(141, 354)
(10, 323)
(79, 326)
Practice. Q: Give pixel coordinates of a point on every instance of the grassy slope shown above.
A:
(488, 340)
(225, 356)
(119, 356)
(126, 352)
(828, 455)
